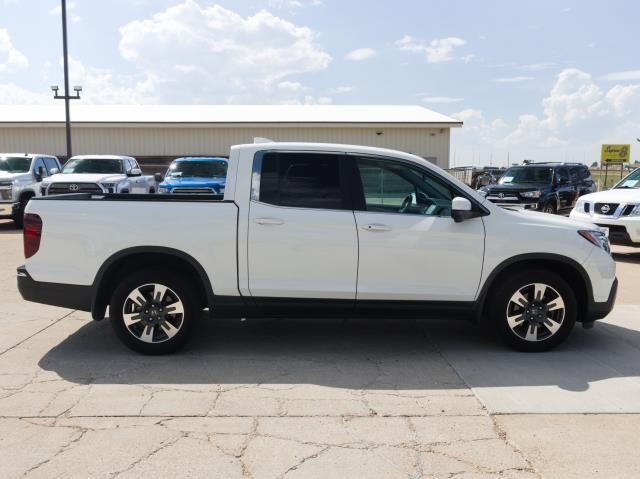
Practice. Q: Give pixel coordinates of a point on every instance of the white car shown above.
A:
(318, 230)
(617, 210)
(21, 175)
(99, 174)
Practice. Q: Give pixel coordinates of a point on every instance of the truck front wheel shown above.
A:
(533, 310)
(153, 311)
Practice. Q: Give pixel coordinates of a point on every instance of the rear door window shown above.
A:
(301, 180)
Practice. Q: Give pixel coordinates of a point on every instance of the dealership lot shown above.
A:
(315, 398)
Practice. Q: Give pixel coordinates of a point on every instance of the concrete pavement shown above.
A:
(310, 398)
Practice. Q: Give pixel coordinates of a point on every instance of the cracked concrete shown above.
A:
(249, 400)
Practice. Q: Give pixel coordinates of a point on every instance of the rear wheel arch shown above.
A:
(567, 268)
(134, 259)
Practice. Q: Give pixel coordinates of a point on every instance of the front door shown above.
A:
(302, 238)
(410, 247)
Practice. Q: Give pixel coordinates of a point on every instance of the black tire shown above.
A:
(154, 325)
(18, 218)
(551, 323)
(152, 191)
(549, 208)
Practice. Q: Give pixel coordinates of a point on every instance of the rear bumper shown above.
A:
(597, 311)
(69, 296)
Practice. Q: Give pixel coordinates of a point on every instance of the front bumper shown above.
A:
(595, 311)
(69, 296)
(8, 209)
(623, 230)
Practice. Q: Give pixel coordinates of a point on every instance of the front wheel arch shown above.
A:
(565, 267)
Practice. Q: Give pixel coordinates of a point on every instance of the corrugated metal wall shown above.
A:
(194, 140)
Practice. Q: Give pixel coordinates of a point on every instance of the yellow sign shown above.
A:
(615, 154)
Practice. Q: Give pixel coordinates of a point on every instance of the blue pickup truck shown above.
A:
(195, 175)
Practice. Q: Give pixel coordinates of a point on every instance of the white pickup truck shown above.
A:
(99, 174)
(316, 230)
(21, 175)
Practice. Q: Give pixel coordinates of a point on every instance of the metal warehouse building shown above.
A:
(156, 134)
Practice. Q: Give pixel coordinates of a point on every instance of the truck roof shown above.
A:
(101, 157)
(202, 158)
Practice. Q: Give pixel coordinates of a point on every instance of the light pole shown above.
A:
(66, 97)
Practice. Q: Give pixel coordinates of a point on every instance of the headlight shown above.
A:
(635, 211)
(597, 238)
(109, 187)
(580, 206)
(221, 190)
(163, 191)
(531, 194)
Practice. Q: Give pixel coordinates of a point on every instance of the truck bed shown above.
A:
(82, 231)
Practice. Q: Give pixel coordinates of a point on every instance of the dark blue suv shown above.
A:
(546, 187)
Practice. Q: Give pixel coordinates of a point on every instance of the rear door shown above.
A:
(302, 238)
(566, 189)
(410, 247)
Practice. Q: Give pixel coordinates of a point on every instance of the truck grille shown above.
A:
(606, 208)
(65, 188)
(193, 191)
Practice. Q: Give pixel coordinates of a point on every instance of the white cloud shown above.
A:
(12, 94)
(442, 99)
(341, 89)
(629, 75)
(291, 86)
(11, 59)
(515, 79)
(576, 114)
(360, 54)
(295, 4)
(238, 59)
(536, 67)
(437, 51)
(71, 6)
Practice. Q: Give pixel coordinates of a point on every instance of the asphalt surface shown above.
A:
(315, 398)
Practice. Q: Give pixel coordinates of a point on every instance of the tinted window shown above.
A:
(573, 174)
(394, 187)
(585, 174)
(304, 180)
(563, 174)
(15, 165)
(39, 166)
(527, 174)
(51, 163)
(93, 165)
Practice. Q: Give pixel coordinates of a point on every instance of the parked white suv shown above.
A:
(617, 210)
(99, 174)
(316, 230)
(20, 177)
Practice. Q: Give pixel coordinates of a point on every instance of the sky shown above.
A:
(546, 80)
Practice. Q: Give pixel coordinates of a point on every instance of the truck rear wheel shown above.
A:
(533, 310)
(154, 311)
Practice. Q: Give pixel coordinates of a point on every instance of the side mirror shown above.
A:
(158, 177)
(54, 171)
(39, 173)
(460, 209)
(135, 172)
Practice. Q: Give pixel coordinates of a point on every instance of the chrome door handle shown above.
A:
(269, 221)
(376, 227)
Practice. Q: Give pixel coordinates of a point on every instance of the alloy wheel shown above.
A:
(153, 313)
(535, 312)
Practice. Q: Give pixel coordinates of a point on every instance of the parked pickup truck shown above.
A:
(316, 230)
(99, 174)
(195, 175)
(21, 175)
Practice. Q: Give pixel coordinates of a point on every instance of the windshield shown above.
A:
(15, 165)
(527, 174)
(631, 181)
(93, 165)
(198, 169)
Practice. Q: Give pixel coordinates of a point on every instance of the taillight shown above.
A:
(31, 234)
